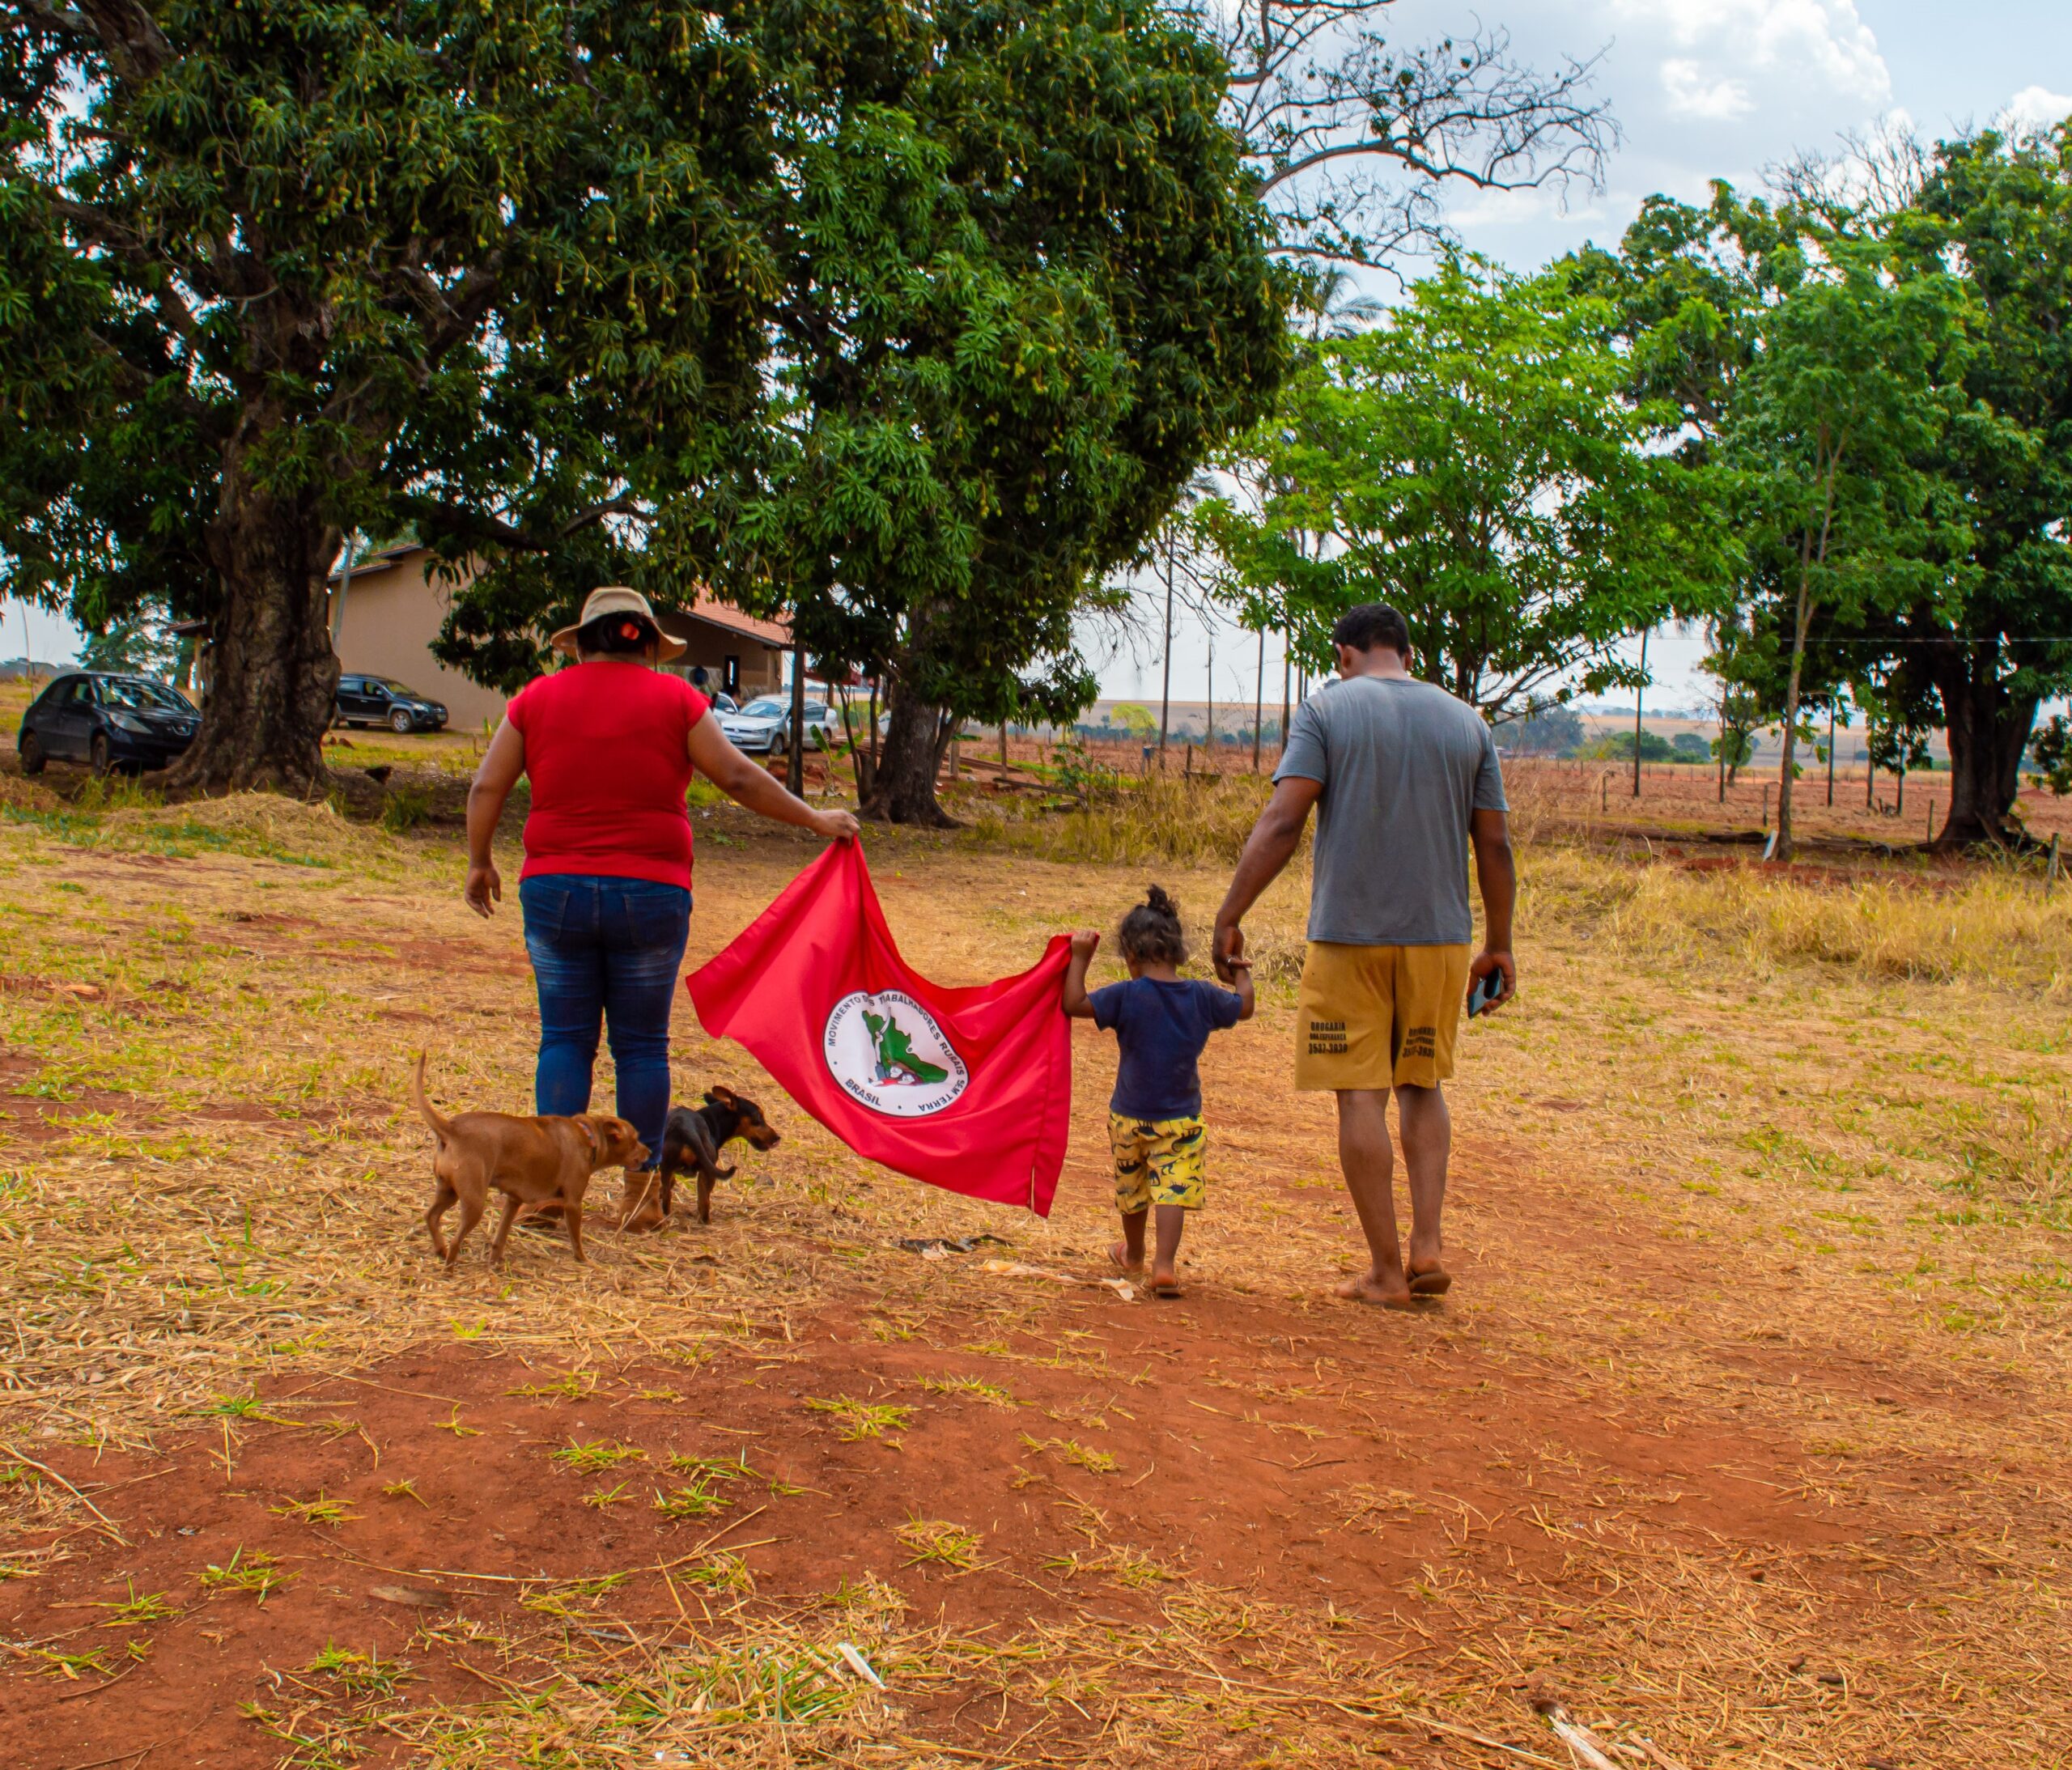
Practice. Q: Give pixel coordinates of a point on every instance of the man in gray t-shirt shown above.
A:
(1405, 781)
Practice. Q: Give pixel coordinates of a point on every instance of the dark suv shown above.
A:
(381, 700)
(109, 721)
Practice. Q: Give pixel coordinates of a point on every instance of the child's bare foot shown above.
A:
(1368, 1288)
(1123, 1261)
(1164, 1284)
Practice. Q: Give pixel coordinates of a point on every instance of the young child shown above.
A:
(1162, 1020)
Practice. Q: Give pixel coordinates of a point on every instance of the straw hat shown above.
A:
(616, 599)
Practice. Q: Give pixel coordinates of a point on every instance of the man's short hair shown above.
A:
(1371, 624)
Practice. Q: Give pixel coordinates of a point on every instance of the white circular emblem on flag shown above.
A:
(887, 1051)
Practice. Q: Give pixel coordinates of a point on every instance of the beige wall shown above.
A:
(394, 612)
(392, 616)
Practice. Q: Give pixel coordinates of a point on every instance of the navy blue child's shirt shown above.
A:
(1161, 1028)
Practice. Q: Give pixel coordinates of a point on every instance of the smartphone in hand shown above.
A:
(1489, 990)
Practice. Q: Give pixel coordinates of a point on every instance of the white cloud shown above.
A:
(1693, 95)
(1782, 40)
(2035, 109)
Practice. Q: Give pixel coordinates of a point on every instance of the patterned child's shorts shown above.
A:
(1157, 1162)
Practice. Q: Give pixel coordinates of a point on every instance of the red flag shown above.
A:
(968, 1089)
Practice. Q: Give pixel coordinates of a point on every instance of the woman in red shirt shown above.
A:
(609, 746)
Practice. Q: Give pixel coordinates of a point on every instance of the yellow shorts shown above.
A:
(1157, 1162)
(1379, 1017)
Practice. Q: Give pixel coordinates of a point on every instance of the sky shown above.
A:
(1701, 89)
(1705, 89)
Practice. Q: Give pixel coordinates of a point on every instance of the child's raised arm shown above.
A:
(1241, 970)
(1074, 1000)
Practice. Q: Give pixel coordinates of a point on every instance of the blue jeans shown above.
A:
(605, 949)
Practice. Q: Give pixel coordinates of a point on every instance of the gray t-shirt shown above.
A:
(1403, 764)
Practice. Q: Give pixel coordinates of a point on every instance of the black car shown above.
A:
(381, 700)
(108, 720)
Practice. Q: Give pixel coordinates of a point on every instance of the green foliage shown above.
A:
(939, 303)
(2001, 211)
(2051, 750)
(1476, 460)
(1546, 730)
(404, 807)
(1853, 388)
(1026, 290)
(1618, 746)
(1689, 747)
(135, 644)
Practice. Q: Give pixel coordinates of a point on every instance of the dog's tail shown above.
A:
(442, 1128)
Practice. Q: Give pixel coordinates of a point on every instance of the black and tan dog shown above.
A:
(691, 1143)
(532, 1161)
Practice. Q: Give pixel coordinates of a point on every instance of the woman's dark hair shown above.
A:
(1151, 934)
(617, 635)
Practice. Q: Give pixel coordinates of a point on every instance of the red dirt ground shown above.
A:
(1209, 1476)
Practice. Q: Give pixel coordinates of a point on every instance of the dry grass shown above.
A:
(1762, 1175)
(1985, 925)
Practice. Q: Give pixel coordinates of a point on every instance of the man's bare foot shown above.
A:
(1367, 1288)
(1120, 1257)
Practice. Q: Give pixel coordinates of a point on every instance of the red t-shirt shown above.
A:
(606, 750)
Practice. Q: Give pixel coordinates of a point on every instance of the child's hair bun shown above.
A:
(1152, 930)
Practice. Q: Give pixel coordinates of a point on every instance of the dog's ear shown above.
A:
(719, 1096)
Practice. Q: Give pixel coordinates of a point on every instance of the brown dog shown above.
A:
(691, 1143)
(529, 1160)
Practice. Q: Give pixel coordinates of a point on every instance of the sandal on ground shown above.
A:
(1433, 1281)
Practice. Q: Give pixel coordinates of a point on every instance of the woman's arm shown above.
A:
(750, 784)
(1074, 1000)
(502, 764)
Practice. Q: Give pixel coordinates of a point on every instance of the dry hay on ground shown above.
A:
(1744, 1424)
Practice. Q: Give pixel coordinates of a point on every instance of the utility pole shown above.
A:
(1259, 704)
(1287, 674)
(1831, 753)
(1166, 692)
(1639, 692)
(795, 762)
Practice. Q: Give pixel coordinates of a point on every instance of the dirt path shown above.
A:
(1733, 1429)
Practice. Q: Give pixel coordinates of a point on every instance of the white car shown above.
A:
(764, 726)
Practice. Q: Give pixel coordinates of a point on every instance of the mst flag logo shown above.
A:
(887, 1051)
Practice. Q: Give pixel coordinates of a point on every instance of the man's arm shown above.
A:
(1497, 874)
(1268, 849)
(502, 764)
(749, 783)
(1075, 1000)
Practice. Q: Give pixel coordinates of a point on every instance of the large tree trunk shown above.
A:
(275, 679)
(903, 783)
(1988, 733)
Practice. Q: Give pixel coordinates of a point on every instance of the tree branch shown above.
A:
(54, 18)
(136, 48)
